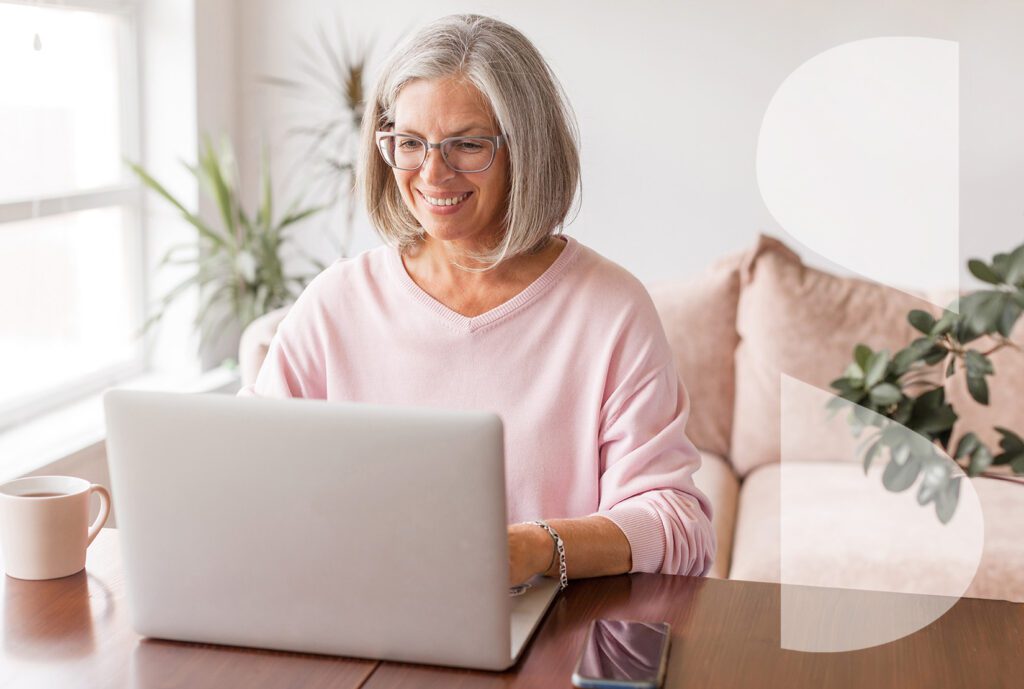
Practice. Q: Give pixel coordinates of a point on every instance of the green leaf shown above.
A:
(175, 248)
(977, 363)
(933, 481)
(1013, 450)
(983, 312)
(981, 459)
(835, 405)
(1010, 441)
(946, 500)
(871, 453)
(945, 323)
(216, 296)
(951, 369)
(298, 216)
(901, 452)
(854, 372)
(885, 394)
(966, 445)
(913, 352)
(1011, 312)
(861, 355)
(931, 414)
(903, 411)
(1001, 264)
(216, 179)
(935, 355)
(978, 388)
(264, 217)
(899, 477)
(921, 320)
(875, 370)
(931, 400)
(865, 416)
(216, 238)
(981, 270)
(1015, 266)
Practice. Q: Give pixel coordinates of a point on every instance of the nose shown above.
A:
(434, 170)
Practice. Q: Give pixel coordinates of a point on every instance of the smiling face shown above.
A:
(435, 110)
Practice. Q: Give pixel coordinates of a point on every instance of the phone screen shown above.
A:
(623, 651)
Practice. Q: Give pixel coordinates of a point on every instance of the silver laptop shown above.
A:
(321, 527)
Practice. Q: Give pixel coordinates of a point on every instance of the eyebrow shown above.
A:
(457, 133)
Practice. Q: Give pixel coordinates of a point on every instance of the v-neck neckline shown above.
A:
(463, 323)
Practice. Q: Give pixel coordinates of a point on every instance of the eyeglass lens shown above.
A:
(463, 154)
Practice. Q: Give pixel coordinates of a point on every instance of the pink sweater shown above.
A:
(577, 366)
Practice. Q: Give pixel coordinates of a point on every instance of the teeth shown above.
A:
(445, 202)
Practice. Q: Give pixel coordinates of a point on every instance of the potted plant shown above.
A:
(898, 402)
(332, 89)
(239, 266)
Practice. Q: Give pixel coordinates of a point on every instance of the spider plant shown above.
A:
(239, 263)
(332, 86)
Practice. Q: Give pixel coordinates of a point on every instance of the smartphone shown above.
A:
(620, 653)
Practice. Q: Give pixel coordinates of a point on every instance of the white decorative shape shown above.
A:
(858, 159)
(849, 547)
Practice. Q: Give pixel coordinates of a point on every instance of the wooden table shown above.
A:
(74, 632)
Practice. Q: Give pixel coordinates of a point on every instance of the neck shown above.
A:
(432, 261)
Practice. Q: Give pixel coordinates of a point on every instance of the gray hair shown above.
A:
(530, 106)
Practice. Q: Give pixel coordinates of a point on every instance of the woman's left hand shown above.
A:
(529, 552)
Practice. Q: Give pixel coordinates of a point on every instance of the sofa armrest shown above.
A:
(255, 342)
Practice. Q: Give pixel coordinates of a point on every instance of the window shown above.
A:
(71, 255)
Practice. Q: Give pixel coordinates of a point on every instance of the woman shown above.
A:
(469, 169)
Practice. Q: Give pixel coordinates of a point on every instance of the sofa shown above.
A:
(757, 338)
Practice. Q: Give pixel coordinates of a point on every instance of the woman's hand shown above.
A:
(529, 552)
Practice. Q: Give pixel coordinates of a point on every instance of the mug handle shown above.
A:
(101, 518)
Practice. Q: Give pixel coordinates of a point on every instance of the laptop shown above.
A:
(321, 527)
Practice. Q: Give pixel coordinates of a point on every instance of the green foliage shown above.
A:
(915, 429)
(238, 264)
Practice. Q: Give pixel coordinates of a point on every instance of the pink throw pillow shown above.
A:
(699, 317)
(805, 323)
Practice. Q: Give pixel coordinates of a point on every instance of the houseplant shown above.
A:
(901, 403)
(239, 263)
(332, 90)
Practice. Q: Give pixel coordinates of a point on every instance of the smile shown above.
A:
(454, 201)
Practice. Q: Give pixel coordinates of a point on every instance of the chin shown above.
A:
(445, 232)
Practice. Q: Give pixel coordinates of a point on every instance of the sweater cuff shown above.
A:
(645, 533)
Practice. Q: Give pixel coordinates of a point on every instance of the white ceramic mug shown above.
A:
(44, 525)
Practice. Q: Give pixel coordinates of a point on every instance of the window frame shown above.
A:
(128, 195)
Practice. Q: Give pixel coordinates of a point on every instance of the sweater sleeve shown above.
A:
(647, 462)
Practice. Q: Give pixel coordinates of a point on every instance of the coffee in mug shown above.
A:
(44, 525)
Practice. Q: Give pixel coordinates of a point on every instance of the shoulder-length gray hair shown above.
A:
(530, 106)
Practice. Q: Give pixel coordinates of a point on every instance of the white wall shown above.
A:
(702, 73)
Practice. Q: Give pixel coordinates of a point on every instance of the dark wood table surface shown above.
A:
(74, 632)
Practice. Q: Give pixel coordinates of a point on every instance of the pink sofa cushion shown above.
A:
(803, 322)
(835, 516)
(699, 317)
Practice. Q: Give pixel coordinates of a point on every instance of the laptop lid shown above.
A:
(302, 525)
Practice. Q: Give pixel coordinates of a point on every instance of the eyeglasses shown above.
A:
(461, 153)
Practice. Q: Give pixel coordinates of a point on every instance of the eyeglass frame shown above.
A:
(498, 141)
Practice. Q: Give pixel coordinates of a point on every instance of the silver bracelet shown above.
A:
(563, 580)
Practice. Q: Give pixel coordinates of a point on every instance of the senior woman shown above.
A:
(477, 300)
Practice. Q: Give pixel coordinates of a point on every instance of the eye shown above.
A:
(470, 146)
(409, 144)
